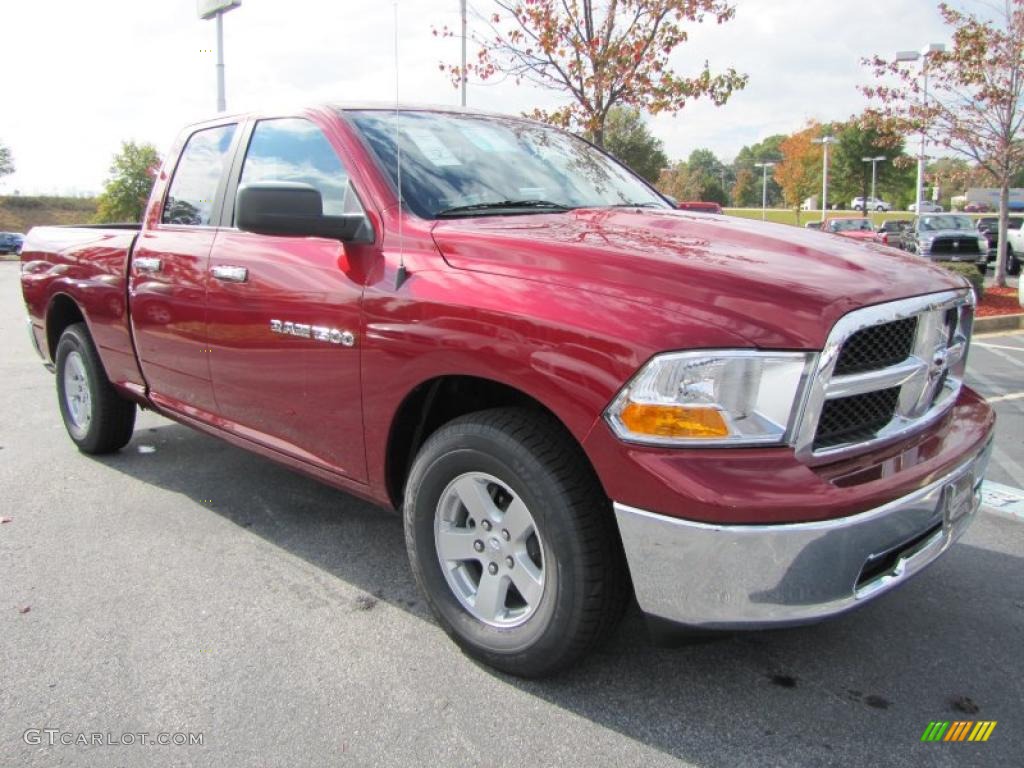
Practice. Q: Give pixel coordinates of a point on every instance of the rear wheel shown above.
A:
(97, 419)
(513, 542)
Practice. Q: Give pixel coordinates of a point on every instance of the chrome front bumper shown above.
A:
(752, 576)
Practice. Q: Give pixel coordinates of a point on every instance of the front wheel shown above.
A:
(513, 542)
(97, 419)
(1012, 264)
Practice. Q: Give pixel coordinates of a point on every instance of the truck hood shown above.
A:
(777, 286)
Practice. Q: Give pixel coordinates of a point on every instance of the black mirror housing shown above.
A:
(292, 208)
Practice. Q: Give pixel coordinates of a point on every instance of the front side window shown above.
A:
(199, 171)
(467, 165)
(295, 150)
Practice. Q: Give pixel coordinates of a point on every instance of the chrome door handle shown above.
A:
(147, 264)
(230, 274)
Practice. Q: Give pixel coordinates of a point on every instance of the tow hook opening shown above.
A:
(889, 563)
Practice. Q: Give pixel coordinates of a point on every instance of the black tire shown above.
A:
(982, 268)
(1012, 264)
(585, 580)
(106, 422)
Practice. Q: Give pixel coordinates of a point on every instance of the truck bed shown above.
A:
(88, 265)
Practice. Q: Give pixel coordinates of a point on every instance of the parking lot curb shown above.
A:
(998, 323)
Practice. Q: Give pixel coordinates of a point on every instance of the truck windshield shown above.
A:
(935, 223)
(456, 165)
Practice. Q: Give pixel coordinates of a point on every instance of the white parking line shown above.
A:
(1003, 498)
(997, 346)
(1001, 398)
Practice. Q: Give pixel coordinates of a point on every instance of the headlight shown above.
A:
(720, 397)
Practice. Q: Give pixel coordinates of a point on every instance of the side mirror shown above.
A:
(290, 208)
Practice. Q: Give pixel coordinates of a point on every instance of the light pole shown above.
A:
(874, 174)
(824, 141)
(923, 56)
(764, 188)
(463, 11)
(215, 9)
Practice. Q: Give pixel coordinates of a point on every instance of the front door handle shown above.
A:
(230, 274)
(147, 264)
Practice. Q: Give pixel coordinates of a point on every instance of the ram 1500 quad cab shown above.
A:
(574, 392)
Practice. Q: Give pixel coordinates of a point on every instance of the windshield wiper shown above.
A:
(637, 205)
(503, 205)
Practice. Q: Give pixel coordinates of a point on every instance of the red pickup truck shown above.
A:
(575, 393)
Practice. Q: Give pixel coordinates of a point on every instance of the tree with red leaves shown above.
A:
(602, 54)
(975, 99)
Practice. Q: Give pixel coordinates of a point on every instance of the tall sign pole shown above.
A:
(215, 9)
(463, 9)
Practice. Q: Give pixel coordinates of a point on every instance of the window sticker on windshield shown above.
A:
(487, 139)
(431, 147)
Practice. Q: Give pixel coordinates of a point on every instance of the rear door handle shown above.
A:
(230, 274)
(147, 264)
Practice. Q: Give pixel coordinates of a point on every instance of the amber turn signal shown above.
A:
(673, 421)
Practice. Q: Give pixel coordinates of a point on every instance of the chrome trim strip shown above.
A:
(915, 410)
(35, 341)
(872, 381)
(752, 576)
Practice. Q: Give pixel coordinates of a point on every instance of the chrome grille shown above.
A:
(877, 347)
(885, 372)
(855, 418)
(955, 245)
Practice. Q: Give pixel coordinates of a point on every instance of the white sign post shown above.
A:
(215, 9)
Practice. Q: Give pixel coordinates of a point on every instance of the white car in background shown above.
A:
(927, 206)
(873, 204)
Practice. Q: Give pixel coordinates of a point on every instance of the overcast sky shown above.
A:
(79, 77)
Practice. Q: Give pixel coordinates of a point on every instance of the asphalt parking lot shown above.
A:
(187, 587)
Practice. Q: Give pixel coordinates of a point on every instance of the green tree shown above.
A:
(766, 151)
(699, 178)
(131, 179)
(850, 176)
(6, 161)
(628, 138)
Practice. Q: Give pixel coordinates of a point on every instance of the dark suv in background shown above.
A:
(10, 242)
(988, 227)
(948, 237)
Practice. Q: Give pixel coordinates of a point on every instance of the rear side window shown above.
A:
(199, 171)
(294, 149)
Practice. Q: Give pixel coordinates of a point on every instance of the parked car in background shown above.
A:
(854, 228)
(872, 204)
(948, 237)
(700, 206)
(976, 208)
(893, 232)
(927, 206)
(11, 242)
(989, 227)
